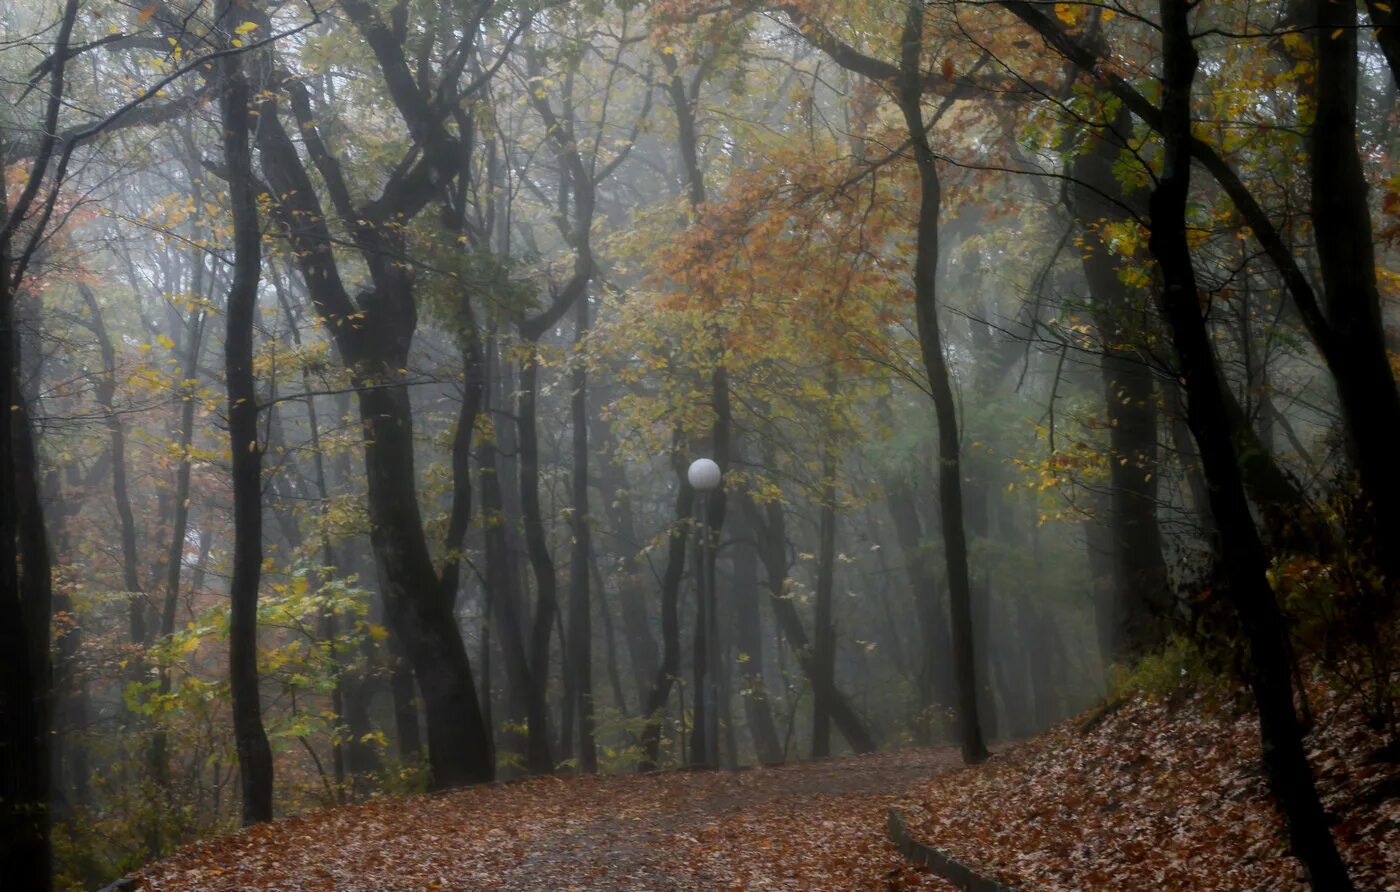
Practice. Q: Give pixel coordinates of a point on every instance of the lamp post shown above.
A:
(705, 477)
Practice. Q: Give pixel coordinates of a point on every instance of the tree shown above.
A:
(373, 336)
(254, 754)
(1243, 558)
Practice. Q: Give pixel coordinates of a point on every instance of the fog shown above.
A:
(514, 269)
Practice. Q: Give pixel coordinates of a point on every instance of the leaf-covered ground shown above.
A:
(807, 826)
(1161, 796)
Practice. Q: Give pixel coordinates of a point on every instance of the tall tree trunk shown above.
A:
(374, 346)
(69, 756)
(1346, 253)
(660, 693)
(935, 683)
(546, 583)
(254, 754)
(1243, 559)
(403, 695)
(641, 646)
(748, 640)
(175, 553)
(116, 443)
(1140, 588)
(824, 659)
(771, 527)
(931, 348)
(26, 684)
(580, 644)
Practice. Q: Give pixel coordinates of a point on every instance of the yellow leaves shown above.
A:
(1067, 13)
(246, 28)
(164, 341)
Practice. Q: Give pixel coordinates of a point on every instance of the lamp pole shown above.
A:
(705, 477)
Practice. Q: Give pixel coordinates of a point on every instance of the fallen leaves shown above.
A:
(815, 825)
(1156, 797)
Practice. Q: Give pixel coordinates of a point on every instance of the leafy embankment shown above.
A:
(816, 825)
(1161, 795)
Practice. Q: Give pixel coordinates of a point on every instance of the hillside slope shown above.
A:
(1161, 795)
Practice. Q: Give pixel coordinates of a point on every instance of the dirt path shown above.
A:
(806, 826)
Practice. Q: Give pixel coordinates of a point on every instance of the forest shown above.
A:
(696, 444)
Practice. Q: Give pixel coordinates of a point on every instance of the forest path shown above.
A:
(815, 825)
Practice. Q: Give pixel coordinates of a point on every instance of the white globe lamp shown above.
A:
(704, 475)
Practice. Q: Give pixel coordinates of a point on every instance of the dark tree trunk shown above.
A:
(945, 408)
(373, 338)
(505, 594)
(25, 685)
(748, 639)
(660, 693)
(403, 695)
(546, 584)
(175, 551)
(977, 514)
(771, 528)
(1140, 590)
(116, 442)
(636, 628)
(824, 659)
(935, 684)
(1243, 559)
(26, 682)
(71, 788)
(254, 754)
(1387, 33)
(580, 644)
(1346, 254)
(1348, 334)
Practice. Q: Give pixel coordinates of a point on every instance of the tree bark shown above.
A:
(373, 339)
(824, 659)
(935, 364)
(25, 561)
(660, 692)
(1243, 559)
(1346, 253)
(254, 754)
(1140, 588)
(748, 640)
(580, 644)
(546, 582)
(771, 527)
(935, 684)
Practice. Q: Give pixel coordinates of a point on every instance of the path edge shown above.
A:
(937, 861)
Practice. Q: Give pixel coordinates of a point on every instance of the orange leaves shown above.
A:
(1156, 796)
(812, 826)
